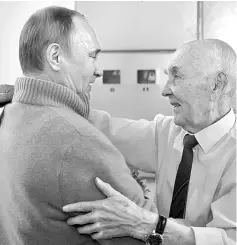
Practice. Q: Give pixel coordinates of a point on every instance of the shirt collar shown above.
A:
(209, 136)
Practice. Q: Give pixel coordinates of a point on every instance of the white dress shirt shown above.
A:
(156, 147)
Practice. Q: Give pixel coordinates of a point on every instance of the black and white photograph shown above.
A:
(118, 122)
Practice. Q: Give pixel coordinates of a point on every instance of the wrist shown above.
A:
(146, 225)
(156, 237)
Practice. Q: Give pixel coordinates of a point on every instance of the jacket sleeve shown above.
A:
(93, 156)
(136, 140)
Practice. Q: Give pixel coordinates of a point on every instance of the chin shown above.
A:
(178, 121)
(186, 125)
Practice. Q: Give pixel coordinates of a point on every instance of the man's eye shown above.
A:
(176, 76)
(93, 56)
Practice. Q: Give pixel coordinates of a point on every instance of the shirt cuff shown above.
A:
(208, 236)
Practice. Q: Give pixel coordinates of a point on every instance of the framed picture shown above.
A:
(146, 76)
(111, 77)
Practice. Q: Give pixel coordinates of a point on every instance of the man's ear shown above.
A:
(53, 53)
(220, 83)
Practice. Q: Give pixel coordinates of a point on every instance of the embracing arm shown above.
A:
(136, 140)
(127, 219)
(221, 231)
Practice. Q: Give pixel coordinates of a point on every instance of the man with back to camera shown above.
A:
(49, 152)
(201, 84)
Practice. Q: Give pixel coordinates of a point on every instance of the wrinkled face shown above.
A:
(81, 67)
(188, 90)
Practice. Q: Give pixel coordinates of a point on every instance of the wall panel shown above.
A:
(141, 24)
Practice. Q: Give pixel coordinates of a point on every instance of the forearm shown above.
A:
(118, 216)
(178, 233)
(129, 137)
(175, 232)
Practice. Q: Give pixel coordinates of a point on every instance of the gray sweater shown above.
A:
(50, 155)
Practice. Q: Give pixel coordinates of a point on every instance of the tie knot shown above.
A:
(189, 141)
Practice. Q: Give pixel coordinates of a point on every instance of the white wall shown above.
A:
(13, 16)
(134, 25)
(141, 24)
(137, 26)
(220, 21)
(128, 99)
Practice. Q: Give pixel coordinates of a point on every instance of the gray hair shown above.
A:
(222, 58)
(213, 56)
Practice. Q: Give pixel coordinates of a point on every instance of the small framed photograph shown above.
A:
(111, 77)
(146, 76)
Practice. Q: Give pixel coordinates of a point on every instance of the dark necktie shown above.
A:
(180, 192)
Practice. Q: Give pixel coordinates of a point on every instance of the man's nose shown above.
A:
(98, 70)
(167, 89)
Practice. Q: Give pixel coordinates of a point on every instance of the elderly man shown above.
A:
(193, 155)
(49, 152)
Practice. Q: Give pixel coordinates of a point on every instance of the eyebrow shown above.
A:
(95, 52)
(174, 69)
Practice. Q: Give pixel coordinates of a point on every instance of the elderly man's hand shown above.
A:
(115, 216)
(6, 93)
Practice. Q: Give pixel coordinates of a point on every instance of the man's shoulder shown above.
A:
(50, 122)
(76, 123)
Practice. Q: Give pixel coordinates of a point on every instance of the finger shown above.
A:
(81, 206)
(88, 229)
(82, 219)
(6, 88)
(103, 235)
(6, 93)
(106, 188)
(98, 236)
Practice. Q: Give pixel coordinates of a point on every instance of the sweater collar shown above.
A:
(29, 90)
